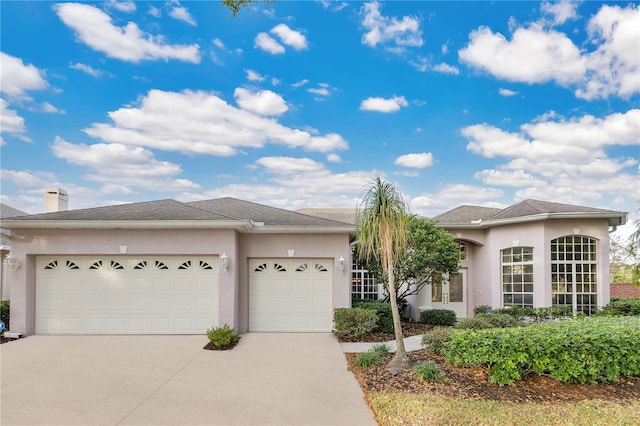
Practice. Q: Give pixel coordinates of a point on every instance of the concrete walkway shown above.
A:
(412, 343)
(268, 379)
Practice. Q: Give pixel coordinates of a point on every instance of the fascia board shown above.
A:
(538, 217)
(127, 224)
(285, 229)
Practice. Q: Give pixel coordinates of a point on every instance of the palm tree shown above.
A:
(382, 231)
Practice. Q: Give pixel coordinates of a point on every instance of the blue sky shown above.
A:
(300, 103)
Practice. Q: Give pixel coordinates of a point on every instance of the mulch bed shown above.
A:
(210, 346)
(473, 383)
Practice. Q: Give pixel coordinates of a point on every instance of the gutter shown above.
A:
(483, 224)
(245, 225)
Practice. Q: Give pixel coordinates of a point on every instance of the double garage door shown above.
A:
(290, 295)
(126, 294)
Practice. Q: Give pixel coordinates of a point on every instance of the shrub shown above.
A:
(223, 336)
(516, 311)
(381, 349)
(482, 309)
(475, 323)
(435, 339)
(427, 371)
(372, 357)
(498, 320)
(382, 309)
(4, 313)
(621, 307)
(438, 317)
(354, 322)
(590, 350)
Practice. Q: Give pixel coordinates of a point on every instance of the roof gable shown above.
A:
(7, 211)
(533, 207)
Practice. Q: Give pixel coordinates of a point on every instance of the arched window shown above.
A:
(517, 276)
(574, 278)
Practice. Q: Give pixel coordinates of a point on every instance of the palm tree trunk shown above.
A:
(401, 360)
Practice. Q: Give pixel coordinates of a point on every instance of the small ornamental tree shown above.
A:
(431, 252)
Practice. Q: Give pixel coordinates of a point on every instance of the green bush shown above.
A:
(372, 357)
(475, 323)
(382, 309)
(621, 307)
(222, 336)
(482, 309)
(381, 349)
(516, 311)
(427, 371)
(498, 320)
(579, 351)
(438, 317)
(435, 339)
(4, 313)
(354, 322)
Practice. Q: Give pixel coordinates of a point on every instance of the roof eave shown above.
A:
(614, 218)
(302, 229)
(244, 225)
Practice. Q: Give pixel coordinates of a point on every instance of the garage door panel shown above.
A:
(122, 295)
(292, 295)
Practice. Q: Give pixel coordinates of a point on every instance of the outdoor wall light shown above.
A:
(341, 263)
(224, 261)
(12, 263)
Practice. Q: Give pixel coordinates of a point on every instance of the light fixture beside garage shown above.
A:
(12, 263)
(224, 261)
(341, 263)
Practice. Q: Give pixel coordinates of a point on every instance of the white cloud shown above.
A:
(290, 37)
(154, 11)
(417, 161)
(218, 43)
(11, 123)
(198, 122)
(533, 55)
(182, 14)
(384, 105)
(87, 69)
(264, 102)
(446, 69)
(506, 92)
(289, 165)
(50, 109)
(429, 204)
(299, 83)
(561, 11)
(516, 178)
(407, 173)
(96, 29)
(122, 6)
(16, 78)
(393, 33)
(265, 42)
(614, 67)
(275, 81)
(126, 166)
(334, 158)
(254, 75)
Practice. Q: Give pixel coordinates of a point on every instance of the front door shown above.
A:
(451, 293)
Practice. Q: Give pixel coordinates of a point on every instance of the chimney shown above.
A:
(56, 200)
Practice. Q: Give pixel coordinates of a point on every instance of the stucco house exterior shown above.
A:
(166, 267)
(5, 248)
(169, 267)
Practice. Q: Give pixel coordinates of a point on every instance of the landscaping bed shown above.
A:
(473, 383)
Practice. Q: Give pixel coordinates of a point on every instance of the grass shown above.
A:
(408, 409)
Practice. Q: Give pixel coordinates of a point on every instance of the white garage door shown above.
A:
(126, 295)
(290, 295)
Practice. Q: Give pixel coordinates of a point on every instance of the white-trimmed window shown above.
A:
(574, 277)
(517, 276)
(363, 284)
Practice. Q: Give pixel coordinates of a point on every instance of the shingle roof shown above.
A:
(465, 215)
(246, 210)
(219, 210)
(341, 215)
(468, 215)
(8, 211)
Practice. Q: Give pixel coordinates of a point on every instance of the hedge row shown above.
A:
(579, 351)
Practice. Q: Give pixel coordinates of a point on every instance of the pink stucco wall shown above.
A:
(484, 261)
(233, 283)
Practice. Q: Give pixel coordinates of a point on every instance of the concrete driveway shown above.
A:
(283, 379)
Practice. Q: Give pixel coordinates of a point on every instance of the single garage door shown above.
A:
(290, 295)
(126, 294)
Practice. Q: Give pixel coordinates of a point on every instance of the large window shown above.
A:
(574, 275)
(517, 276)
(363, 284)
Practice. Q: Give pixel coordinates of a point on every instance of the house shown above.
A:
(168, 267)
(5, 247)
(531, 254)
